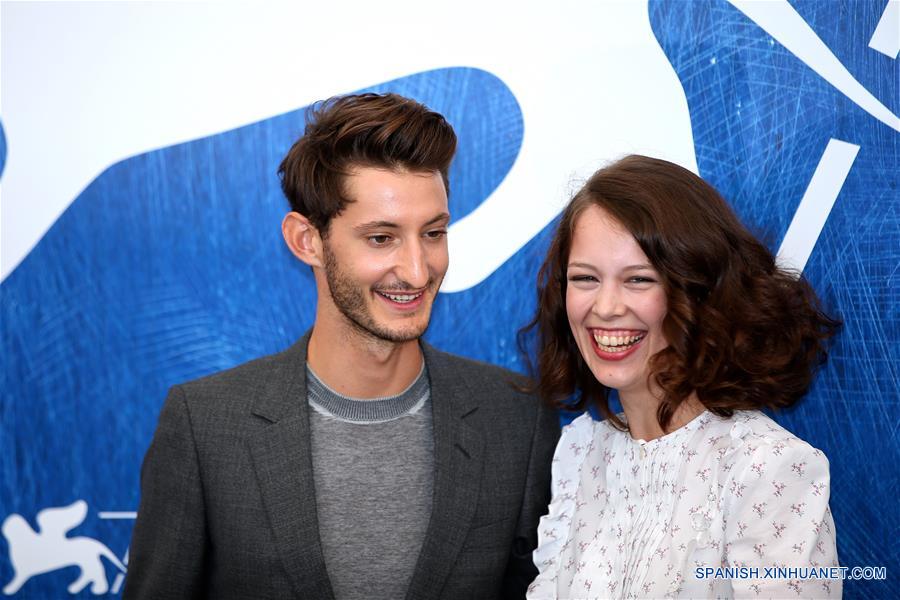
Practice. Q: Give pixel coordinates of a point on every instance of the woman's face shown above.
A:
(615, 302)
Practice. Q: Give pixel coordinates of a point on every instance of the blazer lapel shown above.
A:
(458, 461)
(282, 460)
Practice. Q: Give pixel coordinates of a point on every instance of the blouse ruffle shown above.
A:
(630, 518)
(565, 471)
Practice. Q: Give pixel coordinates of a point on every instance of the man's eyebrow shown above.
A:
(391, 225)
(376, 225)
(438, 219)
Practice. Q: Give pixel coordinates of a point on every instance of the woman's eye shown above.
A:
(581, 278)
(641, 280)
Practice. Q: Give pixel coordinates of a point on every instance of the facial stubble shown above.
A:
(349, 296)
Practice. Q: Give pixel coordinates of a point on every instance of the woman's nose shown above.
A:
(608, 302)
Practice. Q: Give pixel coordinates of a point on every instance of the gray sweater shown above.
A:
(373, 468)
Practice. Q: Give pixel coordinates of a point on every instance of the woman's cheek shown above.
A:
(578, 304)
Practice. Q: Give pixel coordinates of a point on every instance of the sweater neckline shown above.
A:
(364, 410)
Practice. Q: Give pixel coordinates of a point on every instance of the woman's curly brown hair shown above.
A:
(742, 332)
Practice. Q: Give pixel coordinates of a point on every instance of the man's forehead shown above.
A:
(365, 181)
(395, 197)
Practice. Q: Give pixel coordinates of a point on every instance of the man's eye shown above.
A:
(436, 234)
(379, 240)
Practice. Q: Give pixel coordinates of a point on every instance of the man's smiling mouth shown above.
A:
(401, 298)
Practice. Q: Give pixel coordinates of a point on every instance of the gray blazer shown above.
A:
(228, 508)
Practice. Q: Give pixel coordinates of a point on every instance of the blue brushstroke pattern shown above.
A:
(2, 148)
(169, 266)
(761, 120)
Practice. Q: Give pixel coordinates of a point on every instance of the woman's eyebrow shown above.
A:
(584, 265)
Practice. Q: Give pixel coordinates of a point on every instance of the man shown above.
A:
(361, 462)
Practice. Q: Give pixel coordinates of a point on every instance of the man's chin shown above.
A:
(401, 328)
(396, 331)
(400, 334)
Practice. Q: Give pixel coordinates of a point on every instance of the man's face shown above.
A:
(385, 255)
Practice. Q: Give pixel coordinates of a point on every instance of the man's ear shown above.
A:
(302, 238)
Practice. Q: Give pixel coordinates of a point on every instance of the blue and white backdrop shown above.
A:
(141, 210)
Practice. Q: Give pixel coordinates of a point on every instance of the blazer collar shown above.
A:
(285, 391)
(282, 458)
(458, 463)
(288, 383)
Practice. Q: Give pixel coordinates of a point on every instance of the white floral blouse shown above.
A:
(635, 519)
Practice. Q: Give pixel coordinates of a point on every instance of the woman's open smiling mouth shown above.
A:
(615, 344)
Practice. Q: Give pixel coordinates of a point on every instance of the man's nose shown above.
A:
(412, 264)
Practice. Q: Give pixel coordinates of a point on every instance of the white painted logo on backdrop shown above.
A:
(562, 78)
(33, 552)
(781, 21)
(591, 79)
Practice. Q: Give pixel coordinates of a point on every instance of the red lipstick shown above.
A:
(614, 356)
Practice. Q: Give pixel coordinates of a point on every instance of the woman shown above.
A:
(653, 288)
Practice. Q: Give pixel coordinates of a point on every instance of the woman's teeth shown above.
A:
(616, 343)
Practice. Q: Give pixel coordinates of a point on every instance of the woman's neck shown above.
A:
(641, 410)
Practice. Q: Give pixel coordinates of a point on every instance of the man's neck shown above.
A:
(355, 365)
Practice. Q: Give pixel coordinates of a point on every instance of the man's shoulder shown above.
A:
(244, 382)
(257, 370)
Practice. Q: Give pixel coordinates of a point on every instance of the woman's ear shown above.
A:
(302, 238)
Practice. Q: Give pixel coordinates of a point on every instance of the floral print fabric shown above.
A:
(634, 519)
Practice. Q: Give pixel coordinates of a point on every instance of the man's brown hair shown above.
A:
(364, 130)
